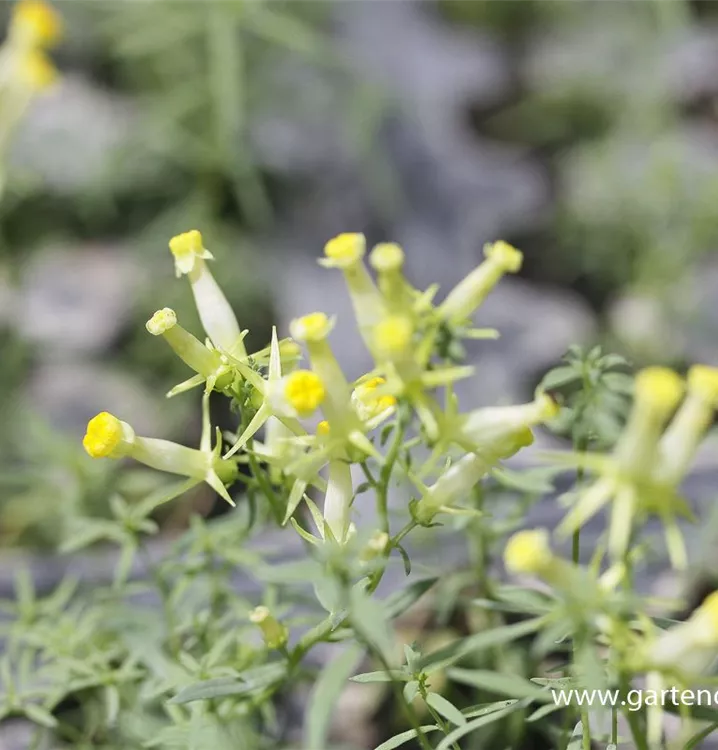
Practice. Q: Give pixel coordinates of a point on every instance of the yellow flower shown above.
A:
(109, 437)
(313, 327)
(368, 403)
(392, 336)
(528, 552)
(659, 388)
(323, 428)
(304, 391)
(162, 321)
(344, 250)
(703, 381)
(104, 435)
(387, 257)
(37, 70)
(35, 24)
(218, 318)
(187, 248)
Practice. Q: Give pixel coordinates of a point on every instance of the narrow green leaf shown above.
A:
(382, 676)
(496, 682)
(695, 740)
(447, 709)
(543, 711)
(250, 681)
(477, 723)
(452, 653)
(39, 715)
(410, 690)
(397, 603)
(400, 739)
(325, 694)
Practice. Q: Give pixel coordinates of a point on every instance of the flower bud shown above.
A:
(528, 552)
(274, 633)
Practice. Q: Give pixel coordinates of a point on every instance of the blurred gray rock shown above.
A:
(16, 735)
(70, 135)
(69, 394)
(73, 301)
(678, 321)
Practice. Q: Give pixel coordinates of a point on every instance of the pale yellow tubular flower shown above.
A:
(109, 437)
(188, 348)
(691, 646)
(346, 252)
(275, 634)
(313, 330)
(503, 430)
(529, 552)
(455, 484)
(387, 259)
(468, 294)
(658, 391)
(690, 424)
(338, 500)
(299, 394)
(218, 318)
(34, 24)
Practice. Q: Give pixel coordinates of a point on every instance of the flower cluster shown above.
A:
(403, 331)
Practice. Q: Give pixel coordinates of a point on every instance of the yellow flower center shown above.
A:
(104, 433)
(506, 255)
(659, 387)
(37, 70)
(304, 390)
(393, 335)
(703, 381)
(313, 327)
(162, 321)
(366, 400)
(528, 552)
(387, 256)
(345, 249)
(36, 22)
(323, 428)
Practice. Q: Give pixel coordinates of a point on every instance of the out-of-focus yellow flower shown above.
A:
(37, 69)
(468, 294)
(109, 437)
(218, 318)
(634, 478)
(35, 24)
(528, 552)
(392, 336)
(304, 391)
(346, 252)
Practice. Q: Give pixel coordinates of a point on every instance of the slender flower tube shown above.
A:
(690, 424)
(346, 252)
(468, 294)
(338, 499)
(692, 645)
(454, 484)
(205, 362)
(387, 259)
(275, 634)
(109, 437)
(218, 319)
(314, 330)
(503, 430)
(657, 393)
